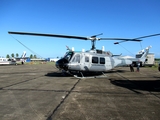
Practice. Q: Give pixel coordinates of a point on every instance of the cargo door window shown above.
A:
(94, 59)
(102, 60)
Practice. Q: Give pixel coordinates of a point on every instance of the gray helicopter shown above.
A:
(93, 60)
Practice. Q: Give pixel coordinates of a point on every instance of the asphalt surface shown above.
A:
(41, 92)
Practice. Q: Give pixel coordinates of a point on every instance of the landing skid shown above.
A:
(82, 76)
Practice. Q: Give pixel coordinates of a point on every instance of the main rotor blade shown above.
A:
(97, 35)
(134, 39)
(48, 35)
(128, 40)
(124, 39)
(83, 38)
(147, 36)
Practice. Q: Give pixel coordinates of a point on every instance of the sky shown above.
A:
(113, 18)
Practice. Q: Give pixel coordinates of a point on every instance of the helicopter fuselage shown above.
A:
(90, 61)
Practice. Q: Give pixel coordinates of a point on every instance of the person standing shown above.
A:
(138, 65)
(131, 68)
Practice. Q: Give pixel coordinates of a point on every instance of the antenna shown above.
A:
(103, 49)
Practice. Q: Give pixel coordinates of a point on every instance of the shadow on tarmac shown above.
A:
(56, 74)
(60, 74)
(114, 71)
(145, 85)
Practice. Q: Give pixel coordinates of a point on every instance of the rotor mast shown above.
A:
(93, 39)
(93, 42)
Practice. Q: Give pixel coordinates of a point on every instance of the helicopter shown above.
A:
(93, 60)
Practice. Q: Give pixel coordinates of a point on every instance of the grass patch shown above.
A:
(155, 67)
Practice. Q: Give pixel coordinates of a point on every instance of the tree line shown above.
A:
(17, 55)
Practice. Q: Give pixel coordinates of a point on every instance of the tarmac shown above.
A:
(41, 92)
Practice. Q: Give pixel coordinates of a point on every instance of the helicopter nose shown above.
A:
(62, 64)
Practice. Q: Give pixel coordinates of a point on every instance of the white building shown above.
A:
(150, 60)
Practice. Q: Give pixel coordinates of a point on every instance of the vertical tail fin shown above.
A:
(143, 54)
(23, 57)
(24, 54)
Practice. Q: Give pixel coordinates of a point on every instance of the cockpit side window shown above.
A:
(68, 56)
(86, 59)
(76, 58)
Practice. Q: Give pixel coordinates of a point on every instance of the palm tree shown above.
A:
(35, 56)
(17, 55)
(12, 54)
(31, 56)
(7, 56)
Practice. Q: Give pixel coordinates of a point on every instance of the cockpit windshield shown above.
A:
(68, 55)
